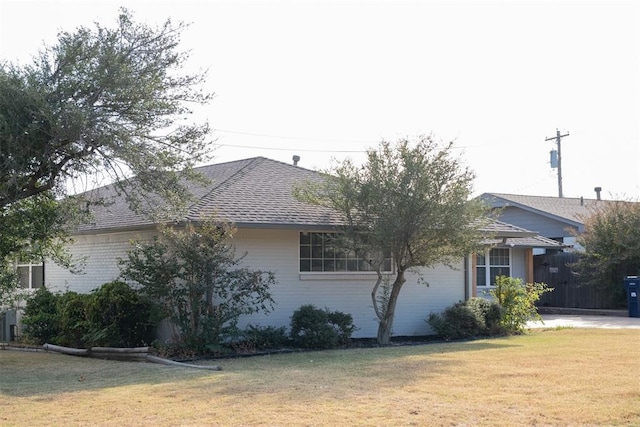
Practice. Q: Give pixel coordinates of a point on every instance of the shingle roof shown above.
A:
(514, 236)
(503, 229)
(255, 192)
(525, 242)
(567, 209)
(260, 192)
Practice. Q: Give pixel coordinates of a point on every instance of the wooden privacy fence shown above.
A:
(554, 270)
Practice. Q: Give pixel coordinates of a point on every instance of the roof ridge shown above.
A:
(248, 159)
(262, 159)
(251, 163)
(115, 183)
(290, 165)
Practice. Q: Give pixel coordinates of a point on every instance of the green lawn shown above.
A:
(549, 377)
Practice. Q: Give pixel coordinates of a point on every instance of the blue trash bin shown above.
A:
(632, 285)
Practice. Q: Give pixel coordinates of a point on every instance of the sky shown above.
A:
(327, 80)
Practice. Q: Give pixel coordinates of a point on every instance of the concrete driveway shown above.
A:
(586, 321)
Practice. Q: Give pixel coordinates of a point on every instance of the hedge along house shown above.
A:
(282, 234)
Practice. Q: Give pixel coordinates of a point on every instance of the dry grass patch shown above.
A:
(552, 377)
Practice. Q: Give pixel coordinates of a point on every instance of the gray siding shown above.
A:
(542, 225)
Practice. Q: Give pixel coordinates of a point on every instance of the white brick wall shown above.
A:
(101, 253)
(277, 251)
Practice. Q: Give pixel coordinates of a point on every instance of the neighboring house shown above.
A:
(285, 235)
(557, 218)
(560, 219)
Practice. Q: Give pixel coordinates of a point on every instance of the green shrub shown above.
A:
(315, 328)
(72, 319)
(113, 315)
(265, 337)
(518, 301)
(489, 313)
(118, 317)
(40, 316)
(456, 322)
(513, 307)
(473, 318)
(310, 328)
(343, 324)
(257, 338)
(194, 275)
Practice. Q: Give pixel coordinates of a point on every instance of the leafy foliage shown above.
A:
(9, 282)
(102, 102)
(40, 317)
(194, 275)
(343, 324)
(490, 314)
(34, 229)
(312, 327)
(119, 316)
(255, 338)
(410, 199)
(611, 244)
(473, 318)
(72, 321)
(513, 306)
(518, 301)
(39, 219)
(113, 315)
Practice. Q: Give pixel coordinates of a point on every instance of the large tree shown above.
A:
(410, 200)
(611, 243)
(193, 273)
(33, 229)
(110, 102)
(106, 100)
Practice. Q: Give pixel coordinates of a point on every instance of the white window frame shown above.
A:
(487, 266)
(315, 256)
(30, 275)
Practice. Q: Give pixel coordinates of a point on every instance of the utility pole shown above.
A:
(558, 138)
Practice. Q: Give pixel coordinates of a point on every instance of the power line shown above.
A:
(522, 187)
(304, 138)
(291, 149)
(315, 150)
(263, 135)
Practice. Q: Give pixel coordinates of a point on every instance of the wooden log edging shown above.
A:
(84, 352)
(128, 350)
(127, 354)
(116, 353)
(20, 348)
(156, 359)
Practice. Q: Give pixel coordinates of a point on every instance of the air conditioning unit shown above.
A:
(8, 328)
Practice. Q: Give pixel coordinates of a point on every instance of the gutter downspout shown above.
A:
(467, 288)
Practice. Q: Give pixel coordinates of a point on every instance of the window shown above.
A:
(320, 252)
(493, 263)
(31, 275)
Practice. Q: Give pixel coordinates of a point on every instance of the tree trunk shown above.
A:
(386, 323)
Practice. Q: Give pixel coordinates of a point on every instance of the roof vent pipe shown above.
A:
(581, 201)
(597, 190)
(296, 159)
